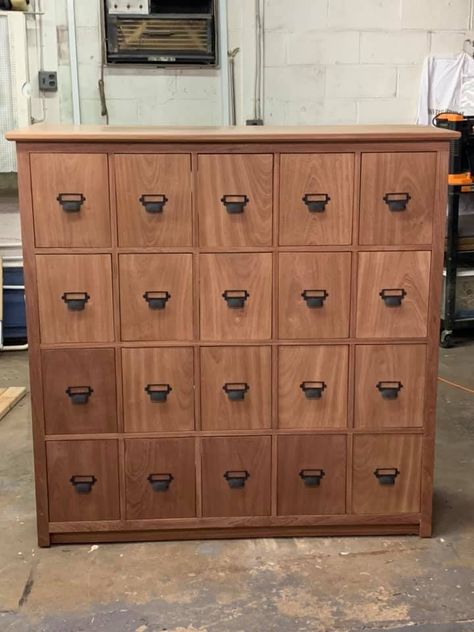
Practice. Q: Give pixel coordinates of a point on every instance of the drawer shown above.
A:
(397, 198)
(314, 294)
(236, 476)
(389, 386)
(392, 294)
(386, 474)
(236, 388)
(316, 199)
(75, 298)
(311, 475)
(236, 296)
(312, 387)
(235, 200)
(156, 297)
(160, 478)
(154, 199)
(70, 195)
(83, 482)
(158, 389)
(79, 391)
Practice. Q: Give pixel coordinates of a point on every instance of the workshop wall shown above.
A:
(327, 61)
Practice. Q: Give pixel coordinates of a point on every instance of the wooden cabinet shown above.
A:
(232, 331)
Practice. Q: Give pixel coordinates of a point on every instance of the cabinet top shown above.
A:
(340, 133)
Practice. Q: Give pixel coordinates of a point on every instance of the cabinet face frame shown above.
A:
(99, 531)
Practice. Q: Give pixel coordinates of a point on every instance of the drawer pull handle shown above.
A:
(389, 390)
(314, 298)
(71, 202)
(312, 477)
(234, 203)
(153, 202)
(393, 297)
(75, 301)
(158, 393)
(397, 202)
(160, 482)
(235, 299)
(157, 299)
(313, 390)
(386, 475)
(236, 390)
(236, 478)
(79, 394)
(316, 202)
(83, 483)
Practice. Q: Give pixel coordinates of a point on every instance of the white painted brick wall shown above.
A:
(327, 61)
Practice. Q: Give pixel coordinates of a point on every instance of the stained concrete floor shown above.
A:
(292, 585)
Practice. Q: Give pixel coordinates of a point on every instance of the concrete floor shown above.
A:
(311, 585)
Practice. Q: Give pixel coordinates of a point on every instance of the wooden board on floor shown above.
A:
(9, 397)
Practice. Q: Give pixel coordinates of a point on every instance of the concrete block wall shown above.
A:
(326, 62)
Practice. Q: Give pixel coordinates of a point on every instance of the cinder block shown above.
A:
(298, 15)
(435, 14)
(88, 77)
(331, 47)
(120, 84)
(365, 14)
(194, 84)
(276, 48)
(401, 47)
(326, 112)
(87, 13)
(295, 82)
(361, 81)
(122, 111)
(88, 45)
(448, 43)
(90, 112)
(179, 112)
(276, 112)
(409, 78)
(388, 111)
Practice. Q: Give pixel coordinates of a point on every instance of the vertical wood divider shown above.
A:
(275, 327)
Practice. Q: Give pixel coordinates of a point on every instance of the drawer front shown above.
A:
(79, 390)
(311, 475)
(83, 481)
(386, 474)
(75, 298)
(236, 475)
(158, 389)
(314, 295)
(71, 200)
(397, 198)
(235, 388)
(236, 296)
(316, 199)
(160, 478)
(392, 294)
(312, 387)
(154, 200)
(389, 386)
(235, 200)
(156, 297)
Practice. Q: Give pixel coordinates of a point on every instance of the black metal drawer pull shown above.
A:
(83, 483)
(157, 299)
(79, 394)
(314, 298)
(235, 299)
(386, 475)
(236, 390)
(393, 297)
(75, 301)
(160, 482)
(158, 393)
(397, 202)
(153, 202)
(234, 203)
(236, 478)
(312, 477)
(316, 202)
(389, 390)
(71, 202)
(313, 390)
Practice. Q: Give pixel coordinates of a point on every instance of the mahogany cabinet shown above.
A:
(233, 331)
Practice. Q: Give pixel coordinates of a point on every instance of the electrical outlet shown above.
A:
(48, 80)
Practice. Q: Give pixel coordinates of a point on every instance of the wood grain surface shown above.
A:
(323, 174)
(154, 174)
